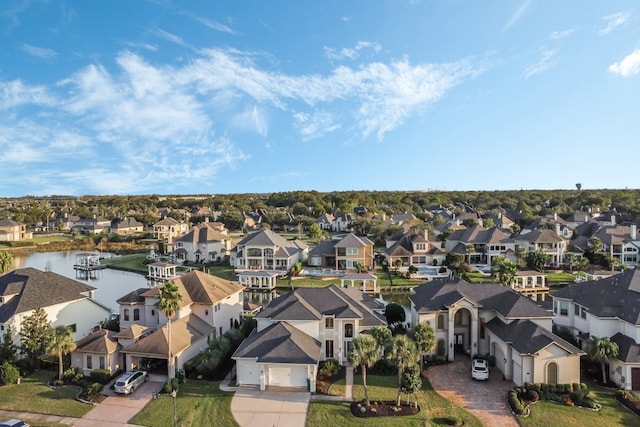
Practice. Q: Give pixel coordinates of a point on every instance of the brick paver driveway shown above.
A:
(485, 399)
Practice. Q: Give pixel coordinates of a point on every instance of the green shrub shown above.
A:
(167, 388)
(583, 385)
(452, 420)
(553, 388)
(93, 390)
(73, 375)
(329, 367)
(9, 374)
(175, 383)
(544, 388)
(579, 395)
(575, 386)
(568, 388)
(101, 376)
(536, 387)
(528, 385)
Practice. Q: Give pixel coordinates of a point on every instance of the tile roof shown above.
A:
(439, 294)
(32, 288)
(280, 343)
(613, 296)
(527, 337)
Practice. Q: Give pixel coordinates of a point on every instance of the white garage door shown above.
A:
(294, 376)
(248, 373)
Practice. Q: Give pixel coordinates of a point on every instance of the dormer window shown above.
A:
(328, 322)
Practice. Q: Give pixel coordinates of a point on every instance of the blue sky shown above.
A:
(167, 97)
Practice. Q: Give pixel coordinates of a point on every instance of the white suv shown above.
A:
(128, 382)
(479, 369)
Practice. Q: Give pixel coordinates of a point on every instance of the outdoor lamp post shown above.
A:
(174, 393)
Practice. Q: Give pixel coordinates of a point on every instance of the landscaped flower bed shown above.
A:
(382, 409)
(629, 400)
(520, 398)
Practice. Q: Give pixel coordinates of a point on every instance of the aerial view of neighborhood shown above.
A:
(319, 213)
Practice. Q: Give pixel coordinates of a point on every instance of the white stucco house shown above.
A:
(205, 242)
(608, 307)
(266, 250)
(298, 330)
(491, 319)
(66, 302)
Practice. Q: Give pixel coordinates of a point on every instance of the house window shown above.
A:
(576, 309)
(126, 314)
(101, 361)
(458, 318)
(482, 327)
(1, 327)
(348, 330)
(328, 322)
(441, 322)
(328, 349)
(552, 373)
(231, 323)
(153, 312)
(206, 312)
(89, 362)
(220, 330)
(136, 314)
(420, 246)
(564, 308)
(352, 251)
(583, 313)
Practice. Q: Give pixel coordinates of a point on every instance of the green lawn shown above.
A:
(433, 407)
(129, 262)
(544, 414)
(33, 395)
(199, 403)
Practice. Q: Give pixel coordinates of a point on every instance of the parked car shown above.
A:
(128, 382)
(14, 423)
(479, 369)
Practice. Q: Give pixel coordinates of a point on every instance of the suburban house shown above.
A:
(94, 225)
(608, 307)
(344, 253)
(620, 242)
(495, 320)
(98, 350)
(480, 245)
(169, 229)
(266, 250)
(13, 231)
(205, 242)
(342, 223)
(301, 328)
(543, 240)
(210, 306)
(128, 225)
(414, 248)
(325, 221)
(67, 302)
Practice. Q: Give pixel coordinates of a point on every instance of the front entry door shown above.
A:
(458, 340)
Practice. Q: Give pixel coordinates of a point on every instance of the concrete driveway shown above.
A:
(485, 399)
(117, 410)
(254, 408)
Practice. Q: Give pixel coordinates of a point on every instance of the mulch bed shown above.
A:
(323, 383)
(382, 409)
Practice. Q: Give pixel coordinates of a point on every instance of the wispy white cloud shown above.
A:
(351, 53)
(614, 21)
(253, 120)
(557, 35)
(214, 25)
(169, 37)
(545, 62)
(16, 93)
(39, 52)
(629, 66)
(314, 125)
(519, 13)
(146, 46)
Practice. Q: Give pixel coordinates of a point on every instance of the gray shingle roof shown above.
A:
(438, 294)
(527, 337)
(629, 350)
(353, 241)
(100, 341)
(280, 343)
(34, 288)
(613, 296)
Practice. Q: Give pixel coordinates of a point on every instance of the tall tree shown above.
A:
(602, 350)
(6, 262)
(8, 347)
(425, 339)
(36, 333)
(61, 343)
(504, 270)
(170, 298)
(382, 335)
(404, 354)
(315, 232)
(364, 353)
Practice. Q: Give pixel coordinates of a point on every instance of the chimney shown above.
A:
(613, 220)
(558, 228)
(555, 216)
(632, 231)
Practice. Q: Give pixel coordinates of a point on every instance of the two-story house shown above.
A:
(543, 240)
(13, 231)
(169, 229)
(344, 253)
(495, 320)
(128, 225)
(301, 328)
(205, 242)
(480, 246)
(94, 225)
(414, 248)
(608, 307)
(266, 250)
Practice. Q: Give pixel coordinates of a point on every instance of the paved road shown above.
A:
(485, 399)
(254, 408)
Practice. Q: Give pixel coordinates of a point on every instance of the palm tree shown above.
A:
(425, 339)
(504, 270)
(364, 353)
(601, 350)
(61, 344)
(170, 298)
(6, 262)
(404, 353)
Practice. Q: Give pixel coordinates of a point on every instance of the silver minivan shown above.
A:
(128, 382)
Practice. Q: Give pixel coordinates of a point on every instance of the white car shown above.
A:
(128, 382)
(479, 369)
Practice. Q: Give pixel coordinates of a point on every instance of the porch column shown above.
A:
(473, 345)
(450, 336)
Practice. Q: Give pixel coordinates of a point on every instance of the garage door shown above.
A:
(248, 373)
(294, 376)
(635, 378)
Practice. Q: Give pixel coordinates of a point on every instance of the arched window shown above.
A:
(552, 373)
(441, 322)
(348, 330)
(458, 317)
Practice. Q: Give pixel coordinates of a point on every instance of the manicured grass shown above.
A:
(33, 395)
(613, 414)
(51, 238)
(199, 403)
(559, 278)
(129, 262)
(433, 407)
